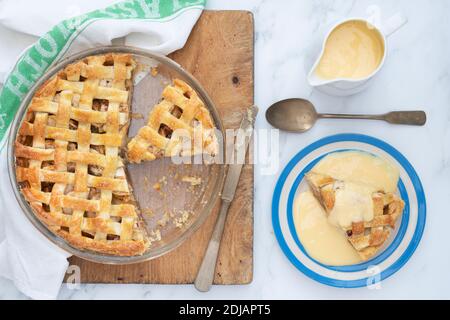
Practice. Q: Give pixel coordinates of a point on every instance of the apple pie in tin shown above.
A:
(69, 157)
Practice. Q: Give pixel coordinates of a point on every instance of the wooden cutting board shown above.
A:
(219, 53)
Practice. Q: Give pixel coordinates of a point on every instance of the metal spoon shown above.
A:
(299, 115)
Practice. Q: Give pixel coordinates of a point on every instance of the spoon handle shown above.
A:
(351, 116)
(415, 118)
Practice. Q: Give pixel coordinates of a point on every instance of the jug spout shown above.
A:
(336, 87)
(314, 80)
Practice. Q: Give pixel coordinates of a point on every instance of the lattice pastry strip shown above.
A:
(367, 237)
(62, 120)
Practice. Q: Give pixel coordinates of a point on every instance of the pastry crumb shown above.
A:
(158, 185)
(137, 115)
(182, 219)
(154, 71)
(148, 212)
(194, 181)
(163, 221)
(154, 235)
(146, 184)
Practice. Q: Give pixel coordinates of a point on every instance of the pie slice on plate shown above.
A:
(178, 125)
(365, 214)
(68, 162)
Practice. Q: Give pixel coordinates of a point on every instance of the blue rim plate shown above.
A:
(404, 241)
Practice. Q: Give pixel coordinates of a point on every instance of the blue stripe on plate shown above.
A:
(417, 188)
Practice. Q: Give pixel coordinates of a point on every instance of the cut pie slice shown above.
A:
(178, 125)
(67, 156)
(366, 215)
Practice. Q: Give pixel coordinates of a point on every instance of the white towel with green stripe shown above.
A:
(33, 263)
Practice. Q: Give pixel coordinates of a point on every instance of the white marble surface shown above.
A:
(416, 75)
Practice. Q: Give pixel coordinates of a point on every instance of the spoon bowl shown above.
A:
(294, 115)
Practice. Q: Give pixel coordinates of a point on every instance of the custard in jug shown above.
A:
(353, 50)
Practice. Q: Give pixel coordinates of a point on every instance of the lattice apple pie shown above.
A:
(68, 152)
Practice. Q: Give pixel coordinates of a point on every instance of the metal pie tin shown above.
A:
(216, 173)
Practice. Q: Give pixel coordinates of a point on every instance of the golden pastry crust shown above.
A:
(181, 114)
(366, 237)
(67, 156)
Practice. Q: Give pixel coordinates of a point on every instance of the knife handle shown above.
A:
(205, 275)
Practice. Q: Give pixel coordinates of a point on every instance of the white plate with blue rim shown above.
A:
(403, 241)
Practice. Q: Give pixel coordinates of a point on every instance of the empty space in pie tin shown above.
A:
(166, 206)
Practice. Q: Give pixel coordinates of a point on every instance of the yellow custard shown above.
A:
(363, 174)
(353, 203)
(360, 167)
(321, 240)
(353, 50)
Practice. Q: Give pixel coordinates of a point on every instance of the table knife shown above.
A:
(205, 275)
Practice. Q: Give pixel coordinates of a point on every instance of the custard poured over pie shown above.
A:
(351, 209)
(366, 215)
(68, 152)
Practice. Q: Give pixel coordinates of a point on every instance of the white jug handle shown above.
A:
(393, 24)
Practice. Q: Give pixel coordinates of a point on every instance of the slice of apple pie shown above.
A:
(366, 215)
(179, 117)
